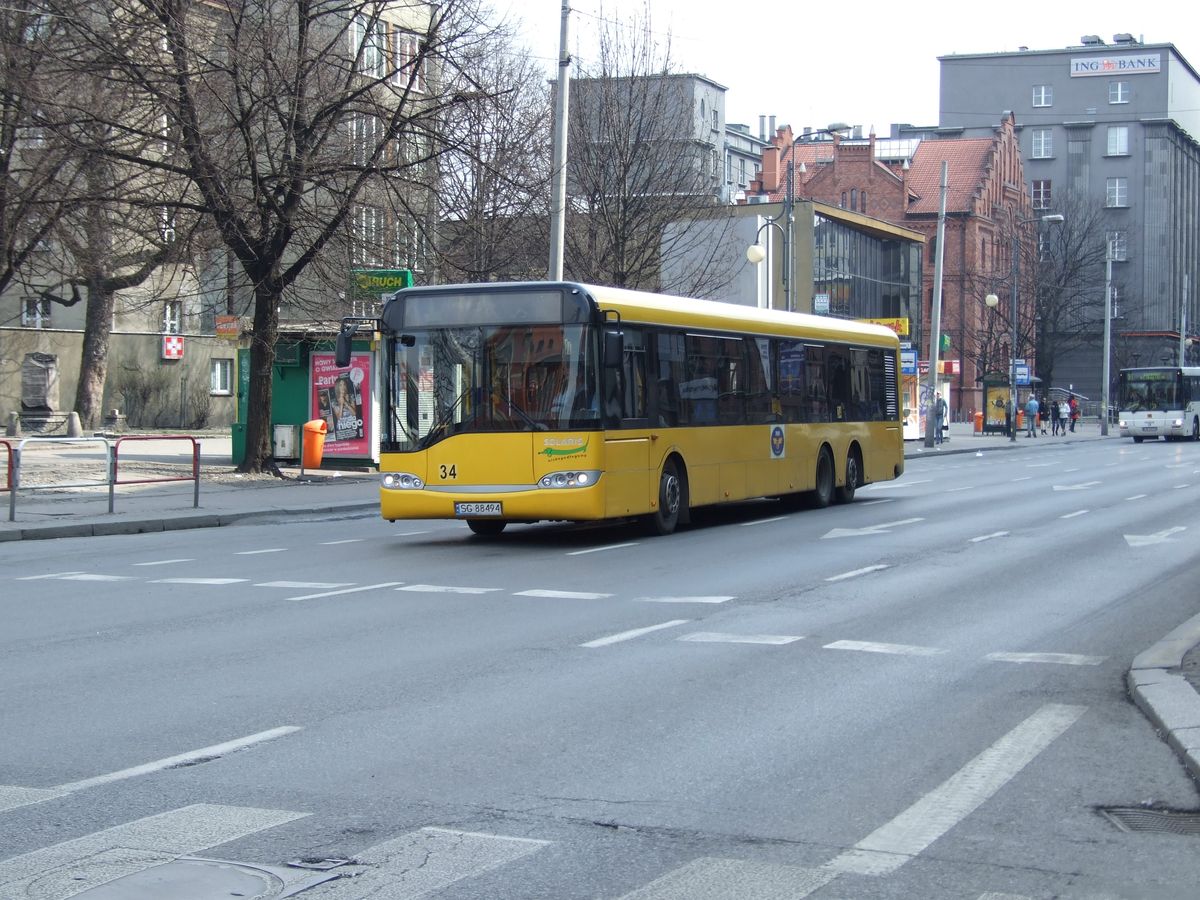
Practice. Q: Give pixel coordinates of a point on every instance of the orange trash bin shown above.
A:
(979, 423)
(313, 443)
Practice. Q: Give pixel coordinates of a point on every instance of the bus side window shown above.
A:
(669, 374)
(625, 385)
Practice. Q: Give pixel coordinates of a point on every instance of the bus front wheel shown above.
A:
(670, 500)
(486, 527)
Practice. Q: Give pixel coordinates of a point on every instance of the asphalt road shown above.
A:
(917, 695)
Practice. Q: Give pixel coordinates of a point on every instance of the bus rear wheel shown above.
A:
(670, 500)
(486, 527)
(822, 493)
(845, 494)
(1196, 429)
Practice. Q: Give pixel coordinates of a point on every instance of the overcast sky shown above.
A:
(865, 63)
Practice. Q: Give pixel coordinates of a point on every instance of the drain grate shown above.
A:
(1162, 821)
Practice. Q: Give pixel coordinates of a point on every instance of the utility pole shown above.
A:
(935, 315)
(558, 199)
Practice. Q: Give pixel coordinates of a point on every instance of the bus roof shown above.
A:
(686, 312)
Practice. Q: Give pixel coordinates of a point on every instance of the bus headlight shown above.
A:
(1122, 424)
(1177, 423)
(401, 481)
(569, 479)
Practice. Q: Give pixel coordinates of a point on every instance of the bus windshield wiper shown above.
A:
(443, 421)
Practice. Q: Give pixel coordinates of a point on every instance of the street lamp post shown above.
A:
(992, 300)
(788, 215)
(756, 253)
(1108, 255)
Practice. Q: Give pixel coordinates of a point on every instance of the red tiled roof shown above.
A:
(968, 159)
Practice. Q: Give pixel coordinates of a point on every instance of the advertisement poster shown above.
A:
(342, 397)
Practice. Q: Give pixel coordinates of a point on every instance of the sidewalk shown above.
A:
(1163, 680)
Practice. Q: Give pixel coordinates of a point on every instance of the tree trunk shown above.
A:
(93, 366)
(259, 449)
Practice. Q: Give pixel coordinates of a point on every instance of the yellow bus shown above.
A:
(538, 401)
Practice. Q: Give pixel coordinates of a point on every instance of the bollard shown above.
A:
(14, 425)
(74, 428)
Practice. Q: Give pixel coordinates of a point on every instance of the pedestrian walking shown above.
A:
(1043, 412)
(1074, 405)
(939, 417)
(1031, 411)
(1055, 417)
(1064, 415)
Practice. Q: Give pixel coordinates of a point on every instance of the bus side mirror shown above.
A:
(341, 354)
(614, 349)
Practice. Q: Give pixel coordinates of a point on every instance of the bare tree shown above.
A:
(307, 128)
(37, 175)
(640, 185)
(493, 185)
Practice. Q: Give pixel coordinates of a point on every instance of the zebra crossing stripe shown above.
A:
(12, 796)
(73, 867)
(423, 862)
(710, 878)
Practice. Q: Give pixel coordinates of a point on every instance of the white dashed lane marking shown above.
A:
(562, 595)
(857, 572)
(350, 590)
(212, 581)
(875, 647)
(305, 585)
(446, 589)
(721, 637)
(1062, 659)
(714, 599)
(164, 562)
(634, 633)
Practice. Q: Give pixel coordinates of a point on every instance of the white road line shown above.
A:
(906, 836)
(1076, 469)
(713, 878)
(1137, 497)
(304, 584)
(1078, 512)
(894, 649)
(335, 543)
(721, 637)
(85, 577)
(877, 502)
(988, 537)
(764, 521)
(212, 581)
(50, 575)
(182, 759)
(353, 590)
(562, 595)
(1039, 465)
(13, 797)
(856, 573)
(892, 485)
(410, 533)
(1062, 659)
(713, 599)
(1180, 487)
(445, 589)
(425, 862)
(634, 633)
(602, 549)
(164, 562)
(969, 487)
(258, 552)
(1024, 478)
(78, 866)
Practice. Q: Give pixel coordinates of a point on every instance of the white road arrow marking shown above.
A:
(870, 529)
(1159, 537)
(1082, 486)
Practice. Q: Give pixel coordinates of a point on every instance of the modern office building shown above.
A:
(1110, 129)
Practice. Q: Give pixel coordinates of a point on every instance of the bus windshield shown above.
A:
(1148, 390)
(492, 378)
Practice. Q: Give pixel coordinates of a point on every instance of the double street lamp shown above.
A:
(756, 253)
(992, 301)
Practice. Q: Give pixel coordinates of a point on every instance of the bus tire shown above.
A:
(671, 491)
(1137, 439)
(845, 494)
(1195, 429)
(822, 493)
(486, 527)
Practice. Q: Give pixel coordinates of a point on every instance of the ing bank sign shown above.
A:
(1143, 64)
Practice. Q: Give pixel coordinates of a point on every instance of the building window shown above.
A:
(1043, 95)
(843, 203)
(862, 201)
(166, 225)
(35, 312)
(1118, 140)
(1118, 92)
(172, 318)
(368, 40)
(1042, 195)
(406, 60)
(220, 377)
(716, 164)
(365, 240)
(854, 198)
(1117, 193)
(1043, 143)
(716, 114)
(1118, 246)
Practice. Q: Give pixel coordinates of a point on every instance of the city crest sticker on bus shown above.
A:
(557, 448)
(777, 443)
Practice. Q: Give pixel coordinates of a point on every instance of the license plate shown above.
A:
(478, 509)
(1149, 428)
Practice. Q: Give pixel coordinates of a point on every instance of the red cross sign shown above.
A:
(172, 346)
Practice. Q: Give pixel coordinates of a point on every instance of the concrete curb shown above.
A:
(1166, 698)
(178, 522)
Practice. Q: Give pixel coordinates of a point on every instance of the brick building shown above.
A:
(986, 199)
